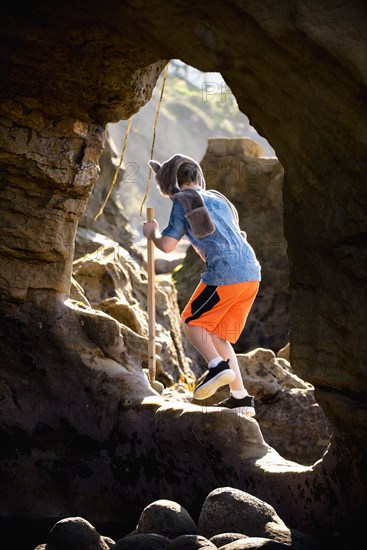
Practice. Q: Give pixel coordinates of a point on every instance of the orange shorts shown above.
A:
(221, 309)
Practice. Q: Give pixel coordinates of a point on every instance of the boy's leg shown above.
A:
(239, 399)
(219, 372)
(224, 310)
(225, 349)
(201, 339)
(210, 345)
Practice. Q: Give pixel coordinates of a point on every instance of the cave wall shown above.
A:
(298, 70)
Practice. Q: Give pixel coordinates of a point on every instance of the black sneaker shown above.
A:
(216, 377)
(245, 406)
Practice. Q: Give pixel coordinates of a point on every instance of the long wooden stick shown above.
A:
(151, 303)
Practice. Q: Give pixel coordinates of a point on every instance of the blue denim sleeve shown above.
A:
(177, 223)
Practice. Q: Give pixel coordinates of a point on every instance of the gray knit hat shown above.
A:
(166, 173)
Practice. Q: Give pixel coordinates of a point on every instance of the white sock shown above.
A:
(239, 394)
(214, 362)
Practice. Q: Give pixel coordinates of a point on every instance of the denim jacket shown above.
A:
(228, 256)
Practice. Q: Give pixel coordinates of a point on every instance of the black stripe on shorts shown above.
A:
(206, 300)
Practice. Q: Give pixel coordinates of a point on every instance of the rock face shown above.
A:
(93, 226)
(290, 419)
(253, 183)
(113, 281)
(81, 428)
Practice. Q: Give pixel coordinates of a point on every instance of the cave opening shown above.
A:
(199, 117)
(196, 106)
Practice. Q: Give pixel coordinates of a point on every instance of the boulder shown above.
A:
(166, 518)
(229, 510)
(76, 532)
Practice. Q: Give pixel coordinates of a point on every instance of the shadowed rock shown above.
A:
(166, 518)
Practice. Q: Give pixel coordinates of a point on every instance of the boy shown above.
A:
(216, 313)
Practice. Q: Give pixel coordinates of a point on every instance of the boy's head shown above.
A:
(188, 173)
(175, 172)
